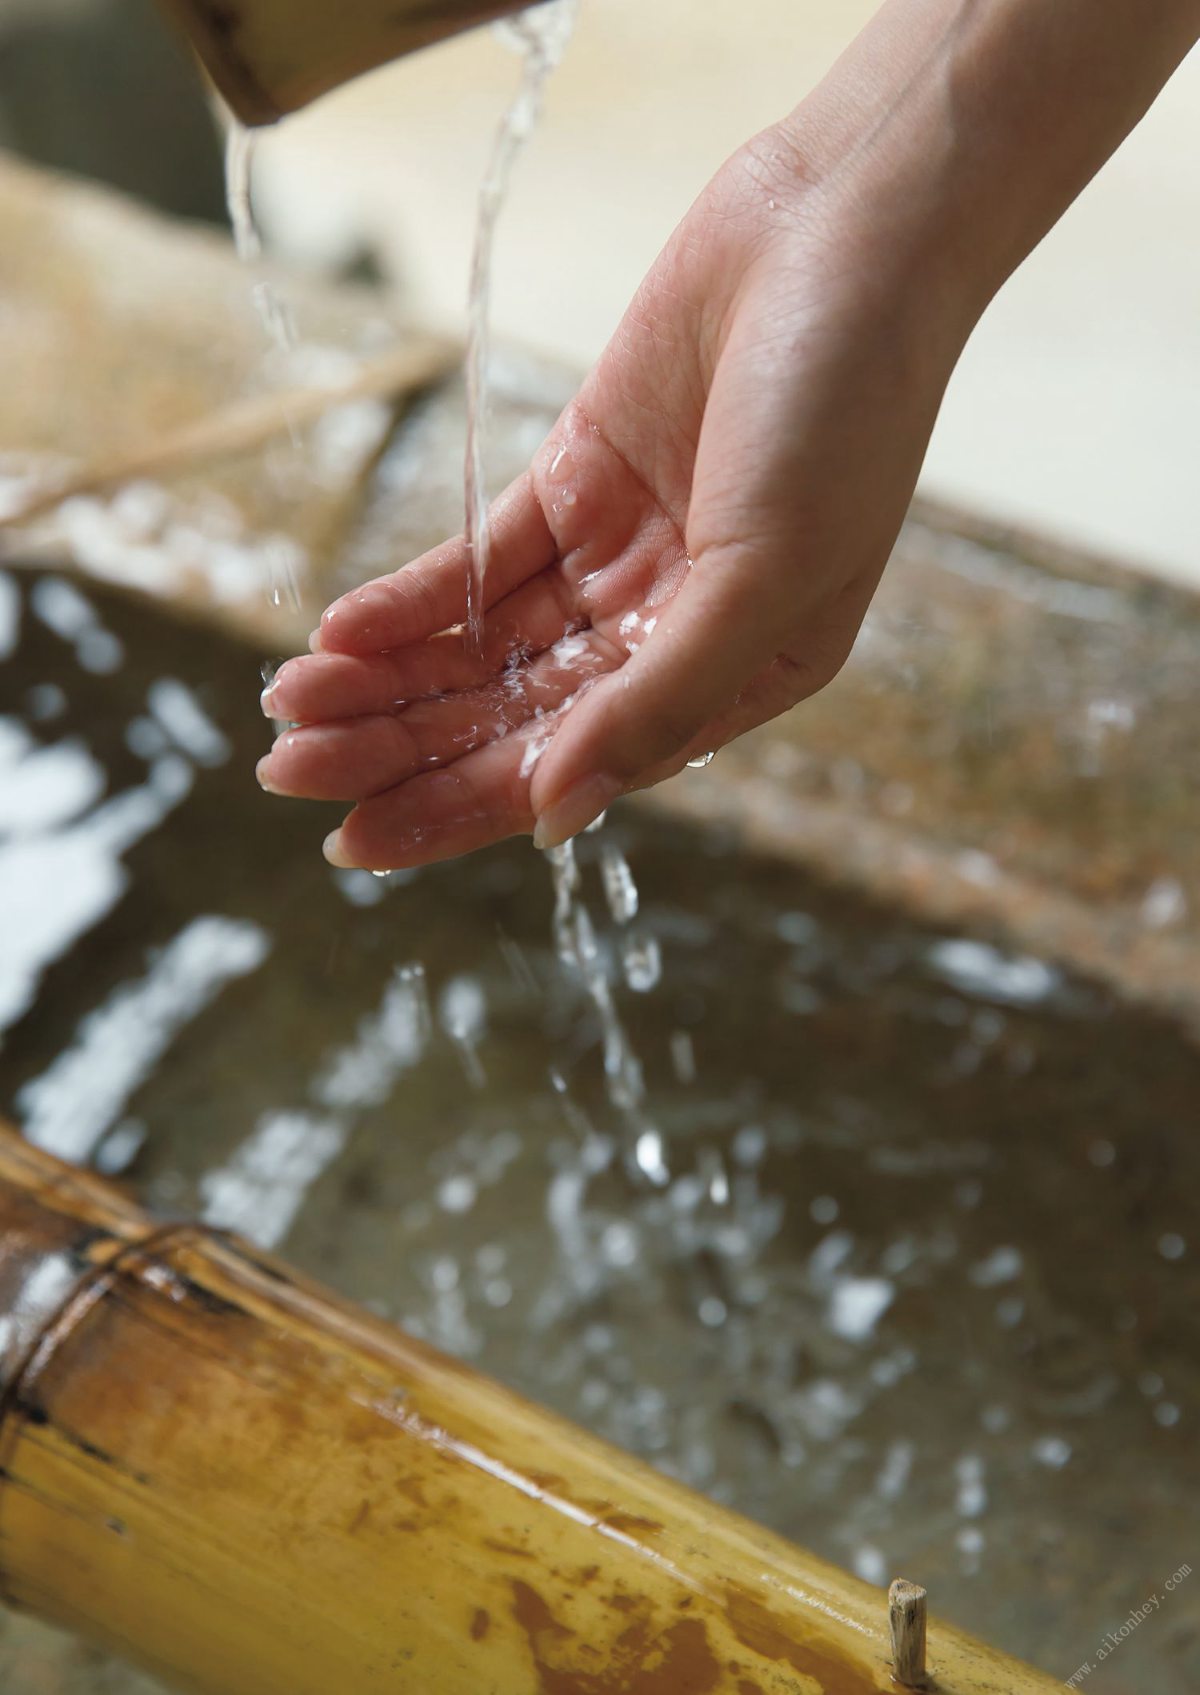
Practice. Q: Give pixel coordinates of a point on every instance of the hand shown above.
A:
(697, 541)
(691, 553)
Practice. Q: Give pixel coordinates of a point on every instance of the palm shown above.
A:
(727, 421)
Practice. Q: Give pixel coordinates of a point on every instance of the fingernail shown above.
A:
(573, 811)
(265, 698)
(314, 642)
(335, 853)
(264, 781)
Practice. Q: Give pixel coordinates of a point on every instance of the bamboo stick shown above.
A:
(244, 425)
(907, 1619)
(221, 1472)
(268, 57)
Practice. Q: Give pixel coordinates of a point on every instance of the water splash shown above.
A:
(240, 148)
(462, 1013)
(579, 951)
(541, 36)
(620, 890)
(641, 961)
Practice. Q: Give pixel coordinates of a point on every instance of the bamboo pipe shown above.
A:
(222, 1473)
(269, 57)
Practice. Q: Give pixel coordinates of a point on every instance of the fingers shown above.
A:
(484, 795)
(481, 799)
(580, 505)
(321, 686)
(354, 757)
(350, 758)
(431, 594)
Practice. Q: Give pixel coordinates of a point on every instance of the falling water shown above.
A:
(578, 950)
(620, 890)
(239, 163)
(240, 145)
(540, 35)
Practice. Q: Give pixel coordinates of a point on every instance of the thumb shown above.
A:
(704, 648)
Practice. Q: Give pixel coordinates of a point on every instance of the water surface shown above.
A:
(916, 1285)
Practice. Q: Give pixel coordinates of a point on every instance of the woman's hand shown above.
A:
(696, 543)
(691, 553)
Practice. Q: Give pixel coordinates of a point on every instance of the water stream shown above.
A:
(278, 324)
(541, 36)
(240, 150)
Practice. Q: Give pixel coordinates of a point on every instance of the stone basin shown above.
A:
(921, 1289)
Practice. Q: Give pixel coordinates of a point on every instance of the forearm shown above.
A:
(965, 128)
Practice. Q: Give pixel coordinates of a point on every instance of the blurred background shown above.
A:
(1076, 409)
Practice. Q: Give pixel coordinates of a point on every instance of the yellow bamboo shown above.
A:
(226, 1475)
(269, 57)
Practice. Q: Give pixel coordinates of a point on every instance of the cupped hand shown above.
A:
(691, 552)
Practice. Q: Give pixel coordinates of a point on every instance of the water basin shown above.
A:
(912, 1276)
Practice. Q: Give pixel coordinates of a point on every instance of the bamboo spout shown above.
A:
(250, 1488)
(269, 57)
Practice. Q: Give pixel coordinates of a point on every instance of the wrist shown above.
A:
(951, 136)
(870, 228)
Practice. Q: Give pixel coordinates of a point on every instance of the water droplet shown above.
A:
(648, 1153)
(620, 890)
(1052, 1452)
(641, 960)
(457, 1194)
(701, 761)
